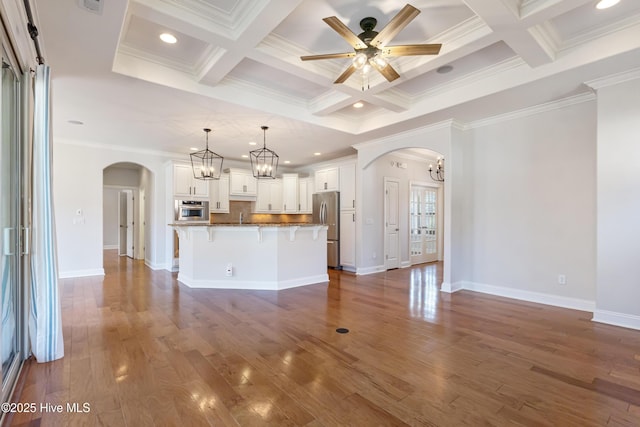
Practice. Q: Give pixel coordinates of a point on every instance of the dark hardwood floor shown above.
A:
(143, 350)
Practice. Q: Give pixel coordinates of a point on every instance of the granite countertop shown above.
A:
(235, 224)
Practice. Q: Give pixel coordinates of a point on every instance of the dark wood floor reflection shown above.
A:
(143, 350)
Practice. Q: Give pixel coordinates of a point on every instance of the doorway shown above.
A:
(126, 224)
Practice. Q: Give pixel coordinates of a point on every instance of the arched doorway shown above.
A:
(126, 205)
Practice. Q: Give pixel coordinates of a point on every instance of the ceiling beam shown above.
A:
(530, 43)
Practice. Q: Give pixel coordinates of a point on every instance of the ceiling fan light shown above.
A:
(366, 68)
(379, 61)
(359, 60)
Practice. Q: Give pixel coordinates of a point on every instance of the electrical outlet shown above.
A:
(562, 279)
(229, 270)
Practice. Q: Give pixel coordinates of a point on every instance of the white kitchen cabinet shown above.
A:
(269, 198)
(219, 195)
(305, 196)
(242, 183)
(290, 193)
(348, 239)
(348, 186)
(186, 186)
(327, 179)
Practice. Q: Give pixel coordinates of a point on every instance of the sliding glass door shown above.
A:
(12, 331)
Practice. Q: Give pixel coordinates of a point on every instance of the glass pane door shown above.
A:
(9, 227)
(423, 213)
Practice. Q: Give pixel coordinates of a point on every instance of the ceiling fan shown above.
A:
(370, 47)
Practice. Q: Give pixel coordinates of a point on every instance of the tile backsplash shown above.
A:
(246, 208)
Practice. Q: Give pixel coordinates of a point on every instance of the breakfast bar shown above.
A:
(252, 256)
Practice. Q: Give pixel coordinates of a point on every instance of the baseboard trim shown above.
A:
(616, 319)
(370, 270)
(156, 266)
(405, 264)
(81, 273)
(451, 287)
(109, 247)
(530, 296)
(274, 285)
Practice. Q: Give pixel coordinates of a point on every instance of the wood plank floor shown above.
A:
(143, 350)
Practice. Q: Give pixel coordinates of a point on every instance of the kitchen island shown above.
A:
(251, 256)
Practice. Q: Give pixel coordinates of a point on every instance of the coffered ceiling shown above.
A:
(236, 66)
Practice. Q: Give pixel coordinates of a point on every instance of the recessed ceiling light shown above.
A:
(245, 156)
(605, 4)
(286, 162)
(193, 149)
(358, 105)
(444, 69)
(168, 38)
(317, 154)
(75, 122)
(252, 143)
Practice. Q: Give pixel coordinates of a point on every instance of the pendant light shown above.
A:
(264, 162)
(205, 163)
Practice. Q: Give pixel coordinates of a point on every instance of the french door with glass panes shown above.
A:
(11, 297)
(423, 211)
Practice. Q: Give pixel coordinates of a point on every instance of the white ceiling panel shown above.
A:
(237, 66)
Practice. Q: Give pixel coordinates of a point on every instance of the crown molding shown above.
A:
(141, 55)
(598, 32)
(536, 109)
(113, 147)
(445, 124)
(614, 79)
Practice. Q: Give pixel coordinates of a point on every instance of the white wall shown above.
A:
(110, 226)
(122, 176)
(618, 269)
(533, 208)
(78, 184)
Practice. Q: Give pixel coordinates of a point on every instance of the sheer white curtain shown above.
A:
(45, 320)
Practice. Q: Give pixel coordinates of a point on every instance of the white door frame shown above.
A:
(139, 233)
(392, 229)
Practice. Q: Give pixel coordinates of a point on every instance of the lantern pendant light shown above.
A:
(264, 162)
(205, 163)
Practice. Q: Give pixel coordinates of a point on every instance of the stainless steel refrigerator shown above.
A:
(326, 210)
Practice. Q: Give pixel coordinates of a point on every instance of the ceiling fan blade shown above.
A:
(412, 49)
(387, 71)
(328, 56)
(346, 74)
(345, 32)
(394, 26)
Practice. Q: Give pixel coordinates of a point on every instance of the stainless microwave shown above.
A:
(191, 210)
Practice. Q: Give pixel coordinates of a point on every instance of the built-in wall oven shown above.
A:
(191, 210)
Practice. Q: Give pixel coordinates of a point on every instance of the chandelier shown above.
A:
(205, 163)
(264, 162)
(439, 170)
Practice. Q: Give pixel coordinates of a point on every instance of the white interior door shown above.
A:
(129, 196)
(391, 223)
(122, 223)
(423, 212)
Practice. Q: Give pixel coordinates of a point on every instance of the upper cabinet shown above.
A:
(348, 186)
(305, 195)
(269, 198)
(219, 195)
(242, 183)
(290, 193)
(327, 180)
(186, 186)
